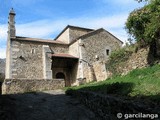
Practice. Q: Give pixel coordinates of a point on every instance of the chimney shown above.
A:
(11, 24)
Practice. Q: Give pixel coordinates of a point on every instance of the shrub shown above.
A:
(118, 58)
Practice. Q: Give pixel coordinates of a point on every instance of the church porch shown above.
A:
(64, 66)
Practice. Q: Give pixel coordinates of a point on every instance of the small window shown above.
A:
(107, 51)
(33, 51)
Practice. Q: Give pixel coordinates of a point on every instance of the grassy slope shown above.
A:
(140, 82)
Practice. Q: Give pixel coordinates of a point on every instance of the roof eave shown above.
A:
(37, 40)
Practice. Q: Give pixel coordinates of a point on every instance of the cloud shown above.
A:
(39, 29)
(2, 52)
(50, 28)
(3, 32)
(46, 28)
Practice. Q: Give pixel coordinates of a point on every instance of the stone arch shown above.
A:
(60, 75)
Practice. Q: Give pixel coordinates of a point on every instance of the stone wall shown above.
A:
(107, 107)
(47, 62)
(136, 60)
(64, 37)
(76, 32)
(27, 60)
(94, 53)
(30, 59)
(74, 49)
(139, 59)
(13, 86)
(59, 48)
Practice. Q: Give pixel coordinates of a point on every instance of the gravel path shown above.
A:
(49, 105)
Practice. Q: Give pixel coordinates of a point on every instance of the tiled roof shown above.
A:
(38, 40)
(63, 55)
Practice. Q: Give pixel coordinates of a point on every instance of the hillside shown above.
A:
(2, 69)
(143, 82)
(136, 92)
(2, 65)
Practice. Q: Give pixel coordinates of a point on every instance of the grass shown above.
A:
(139, 82)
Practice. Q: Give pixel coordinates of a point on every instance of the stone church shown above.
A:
(76, 54)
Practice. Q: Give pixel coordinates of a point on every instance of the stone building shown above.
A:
(75, 54)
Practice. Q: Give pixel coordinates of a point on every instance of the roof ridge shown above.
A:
(68, 26)
(97, 30)
(80, 27)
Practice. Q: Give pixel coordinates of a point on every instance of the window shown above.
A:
(32, 51)
(107, 51)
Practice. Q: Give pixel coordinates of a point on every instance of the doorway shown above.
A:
(60, 75)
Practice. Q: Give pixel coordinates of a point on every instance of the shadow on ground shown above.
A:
(118, 89)
(114, 88)
(114, 98)
(43, 106)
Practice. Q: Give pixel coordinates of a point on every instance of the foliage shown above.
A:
(139, 82)
(119, 58)
(142, 0)
(143, 24)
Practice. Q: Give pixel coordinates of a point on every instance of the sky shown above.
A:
(46, 18)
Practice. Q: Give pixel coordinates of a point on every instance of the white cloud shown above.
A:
(3, 32)
(2, 52)
(48, 28)
(39, 29)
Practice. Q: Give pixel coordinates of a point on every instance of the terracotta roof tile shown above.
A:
(38, 40)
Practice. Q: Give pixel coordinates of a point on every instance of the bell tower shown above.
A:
(11, 34)
(11, 23)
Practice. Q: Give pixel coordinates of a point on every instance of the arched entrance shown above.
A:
(60, 75)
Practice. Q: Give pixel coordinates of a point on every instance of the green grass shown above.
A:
(139, 82)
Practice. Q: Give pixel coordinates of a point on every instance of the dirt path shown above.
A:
(49, 105)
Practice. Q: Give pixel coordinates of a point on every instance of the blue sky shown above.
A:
(46, 18)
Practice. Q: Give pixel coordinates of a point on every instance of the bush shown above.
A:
(119, 58)
(143, 24)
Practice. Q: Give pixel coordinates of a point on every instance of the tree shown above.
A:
(142, 0)
(143, 24)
